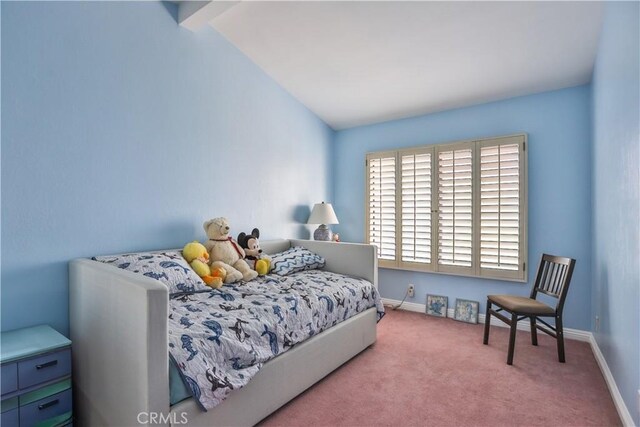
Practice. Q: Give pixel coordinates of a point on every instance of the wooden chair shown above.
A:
(553, 278)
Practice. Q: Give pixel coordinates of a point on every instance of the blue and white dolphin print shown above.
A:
(312, 331)
(156, 276)
(222, 294)
(273, 339)
(329, 302)
(221, 338)
(287, 340)
(184, 321)
(294, 307)
(192, 308)
(187, 344)
(236, 363)
(241, 334)
(339, 300)
(214, 327)
(306, 299)
(173, 264)
(277, 310)
(216, 381)
(227, 307)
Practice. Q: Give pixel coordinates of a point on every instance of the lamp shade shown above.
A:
(323, 213)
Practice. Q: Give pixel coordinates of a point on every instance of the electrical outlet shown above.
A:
(411, 291)
(597, 323)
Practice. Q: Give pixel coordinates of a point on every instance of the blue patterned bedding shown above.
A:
(220, 339)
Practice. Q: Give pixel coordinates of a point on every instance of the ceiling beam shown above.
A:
(196, 14)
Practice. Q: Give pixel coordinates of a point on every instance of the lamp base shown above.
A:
(322, 233)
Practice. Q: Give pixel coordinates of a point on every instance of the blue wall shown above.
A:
(122, 131)
(558, 125)
(616, 197)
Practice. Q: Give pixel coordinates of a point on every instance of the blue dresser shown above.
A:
(36, 378)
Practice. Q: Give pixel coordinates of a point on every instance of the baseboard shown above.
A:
(407, 306)
(574, 334)
(621, 407)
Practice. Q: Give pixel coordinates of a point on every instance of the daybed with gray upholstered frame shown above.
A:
(113, 309)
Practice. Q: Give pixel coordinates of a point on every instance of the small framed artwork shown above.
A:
(437, 305)
(466, 310)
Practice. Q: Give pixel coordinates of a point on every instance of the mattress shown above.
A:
(220, 339)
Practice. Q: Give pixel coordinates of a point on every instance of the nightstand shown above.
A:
(35, 368)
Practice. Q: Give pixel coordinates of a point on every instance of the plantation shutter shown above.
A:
(415, 197)
(455, 208)
(502, 207)
(381, 205)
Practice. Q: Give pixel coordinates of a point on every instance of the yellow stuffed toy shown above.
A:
(219, 273)
(197, 256)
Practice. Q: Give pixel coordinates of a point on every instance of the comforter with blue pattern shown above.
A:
(220, 339)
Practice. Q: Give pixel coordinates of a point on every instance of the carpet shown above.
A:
(428, 371)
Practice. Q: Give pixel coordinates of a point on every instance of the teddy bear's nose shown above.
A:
(227, 227)
(259, 251)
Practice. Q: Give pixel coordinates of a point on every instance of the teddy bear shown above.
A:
(198, 258)
(256, 259)
(225, 252)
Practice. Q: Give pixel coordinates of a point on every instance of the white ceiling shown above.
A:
(355, 63)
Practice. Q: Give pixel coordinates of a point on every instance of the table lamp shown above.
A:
(322, 214)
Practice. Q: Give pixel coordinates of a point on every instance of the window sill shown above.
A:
(419, 270)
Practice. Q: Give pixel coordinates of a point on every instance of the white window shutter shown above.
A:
(381, 205)
(415, 197)
(455, 209)
(501, 207)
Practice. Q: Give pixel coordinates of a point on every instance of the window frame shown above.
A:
(476, 144)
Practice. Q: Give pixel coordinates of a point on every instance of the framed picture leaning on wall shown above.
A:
(437, 305)
(466, 310)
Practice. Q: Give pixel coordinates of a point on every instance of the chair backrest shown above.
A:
(553, 278)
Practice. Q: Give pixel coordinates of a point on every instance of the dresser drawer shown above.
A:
(46, 408)
(10, 413)
(44, 368)
(9, 375)
(9, 418)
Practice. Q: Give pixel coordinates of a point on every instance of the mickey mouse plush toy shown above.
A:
(256, 259)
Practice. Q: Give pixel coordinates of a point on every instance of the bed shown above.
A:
(120, 332)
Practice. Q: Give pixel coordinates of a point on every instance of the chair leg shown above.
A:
(534, 331)
(560, 339)
(487, 322)
(512, 338)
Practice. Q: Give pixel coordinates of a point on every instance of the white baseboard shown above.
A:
(407, 306)
(574, 334)
(621, 407)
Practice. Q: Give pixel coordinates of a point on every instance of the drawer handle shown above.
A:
(46, 365)
(48, 404)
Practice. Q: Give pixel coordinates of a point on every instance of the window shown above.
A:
(456, 208)
(415, 183)
(381, 201)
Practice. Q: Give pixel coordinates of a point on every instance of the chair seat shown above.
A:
(521, 305)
